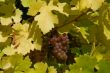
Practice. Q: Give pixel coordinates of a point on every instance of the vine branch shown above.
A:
(74, 19)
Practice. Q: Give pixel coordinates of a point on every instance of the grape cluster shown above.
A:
(60, 46)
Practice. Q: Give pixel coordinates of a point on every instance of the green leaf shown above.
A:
(108, 1)
(104, 66)
(1, 54)
(7, 9)
(40, 67)
(107, 32)
(9, 50)
(51, 69)
(23, 65)
(86, 29)
(84, 64)
(36, 34)
(25, 3)
(15, 63)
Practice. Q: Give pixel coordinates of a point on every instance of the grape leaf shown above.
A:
(7, 9)
(40, 67)
(8, 20)
(99, 52)
(60, 7)
(5, 32)
(86, 29)
(1, 54)
(46, 24)
(35, 34)
(5, 21)
(104, 66)
(8, 50)
(25, 46)
(108, 1)
(2, 39)
(84, 64)
(107, 32)
(18, 72)
(25, 3)
(93, 4)
(46, 11)
(103, 28)
(23, 64)
(1, 71)
(17, 16)
(15, 63)
(84, 33)
(2, 0)
(51, 69)
(33, 5)
(22, 44)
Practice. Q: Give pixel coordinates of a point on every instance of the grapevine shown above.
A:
(54, 36)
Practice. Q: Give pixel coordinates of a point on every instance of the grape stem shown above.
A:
(75, 19)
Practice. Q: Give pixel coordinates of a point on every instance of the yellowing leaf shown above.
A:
(93, 4)
(59, 8)
(106, 32)
(46, 19)
(25, 46)
(83, 4)
(84, 33)
(5, 21)
(22, 43)
(98, 56)
(2, 39)
(9, 50)
(2, 0)
(34, 6)
(25, 3)
(17, 17)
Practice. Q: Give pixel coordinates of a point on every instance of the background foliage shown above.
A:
(25, 24)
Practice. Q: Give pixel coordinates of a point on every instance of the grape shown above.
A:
(60, 46)
(64, 49)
